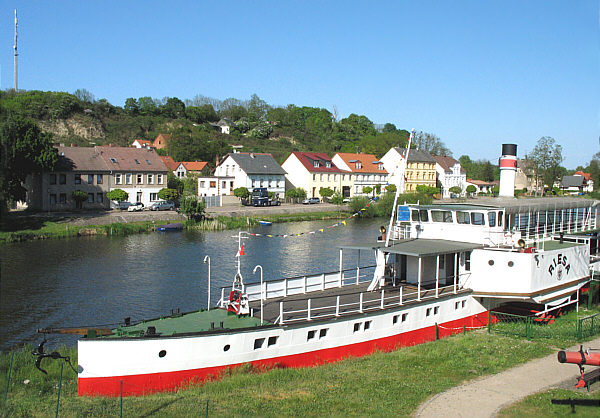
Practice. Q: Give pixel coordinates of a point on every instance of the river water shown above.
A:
(101, 280)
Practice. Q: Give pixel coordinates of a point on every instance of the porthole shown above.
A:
(510, 264)
(491, 262)
(226, 348)
(162, 353)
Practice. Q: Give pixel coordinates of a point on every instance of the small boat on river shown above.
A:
(265, 223)
(177, 226)
(435, 271)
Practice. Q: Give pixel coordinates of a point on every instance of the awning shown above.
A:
(419, 247)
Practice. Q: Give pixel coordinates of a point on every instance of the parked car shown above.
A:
(310, 201)
(120, 205)
(163, 205)
(136, 207)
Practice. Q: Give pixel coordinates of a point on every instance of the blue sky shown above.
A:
(475, 73)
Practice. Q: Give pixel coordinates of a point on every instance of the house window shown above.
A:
(128, 178)
(380, 166)
(314, 177)
(224, 184)
(136, 161)
(118, 178)
(159, 179)
(328, 177)
(140, 179)
(153, 197)
(52, 199)
(99, 178)
(358, 165)
(112, 160)
(90, 179)
(77, 178)
(90, 197)
(148, 162)
(99, 197)
(328, 164)
(315, 164)
(52, 178)
(63, 198)
(62, 179)
(202, 184)
(213, 184)
(321, 177)
(150, 179)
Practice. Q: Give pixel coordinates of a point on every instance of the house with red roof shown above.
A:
(189, 167)
(141, 143)
(367, 171)
(311, 171)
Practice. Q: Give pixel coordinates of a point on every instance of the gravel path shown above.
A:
(486, 396)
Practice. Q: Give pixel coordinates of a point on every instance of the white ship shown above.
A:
(439, 271)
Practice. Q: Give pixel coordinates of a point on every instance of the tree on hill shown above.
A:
(24, 150)
(431, 143)
(546, 157)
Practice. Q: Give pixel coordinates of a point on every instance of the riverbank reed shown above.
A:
(380, 384)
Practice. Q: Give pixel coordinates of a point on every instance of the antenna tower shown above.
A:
(16, 54)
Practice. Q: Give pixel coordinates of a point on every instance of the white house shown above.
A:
(216, 186)
(367, 171)
(248, 170)
(450, 173)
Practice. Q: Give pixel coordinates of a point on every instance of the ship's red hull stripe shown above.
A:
(166, 381)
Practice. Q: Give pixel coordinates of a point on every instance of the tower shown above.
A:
(508, 170)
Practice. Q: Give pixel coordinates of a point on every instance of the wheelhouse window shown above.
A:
(492, 218)
(462, 217)
(423, 215)
(500, 214)
(441, 216)
(477, 218)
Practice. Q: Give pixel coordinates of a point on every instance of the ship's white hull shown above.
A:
(144, 365)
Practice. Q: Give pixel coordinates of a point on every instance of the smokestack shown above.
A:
(508, 170)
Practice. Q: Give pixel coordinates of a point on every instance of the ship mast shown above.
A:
(400, 172)
(16, 54)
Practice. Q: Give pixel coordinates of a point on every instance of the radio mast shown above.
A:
(16, 54)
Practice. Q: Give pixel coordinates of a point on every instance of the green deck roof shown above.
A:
(189, 323)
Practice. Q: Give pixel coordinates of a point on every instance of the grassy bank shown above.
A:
(382, 384)
(540, 404)
(33, 228)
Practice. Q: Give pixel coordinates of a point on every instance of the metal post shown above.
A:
(308, 310)
(281, 313)
(323, 281)
(208, 303)
(437, 274)
(304, 284)
(121, 402)
(382, 297)
(12, 355)
(358, 268)
(261, 290)
(337, 306)
(400, 294)
(419, 280)
(360, 306)
(222, 297)
(456, 267)
(59, 386)
(341, 267)
(437, 332)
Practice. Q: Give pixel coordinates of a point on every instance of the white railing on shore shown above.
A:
(382, 301)
(303, 284)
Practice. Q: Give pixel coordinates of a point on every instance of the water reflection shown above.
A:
(99, 280)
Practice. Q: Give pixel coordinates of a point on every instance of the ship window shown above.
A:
(468, 261)
(456, 305)
(357, 327)
(258, 343)
(463, 303)
(510, 264)
(477, 218)
(436, 310)
(395, 319)
(441, 216)
(226, 348)
(404, 316)
(323, 333)
(414, 215)
(500, 218)
(272, 341)
(491, 262)
(462, 217)
(492, 218)
(162, 353)
(428, 312)
(311, 335)
(367, 325)
(423, 215)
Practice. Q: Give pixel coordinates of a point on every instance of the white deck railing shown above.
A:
(303, 284)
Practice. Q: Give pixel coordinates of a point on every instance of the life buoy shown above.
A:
(234, 301)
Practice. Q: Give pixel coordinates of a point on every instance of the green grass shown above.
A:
(381, 384)
(540, 405)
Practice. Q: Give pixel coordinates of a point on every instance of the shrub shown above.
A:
(192, 207)
(337, 198)
(241, 192)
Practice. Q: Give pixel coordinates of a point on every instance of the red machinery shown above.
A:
(580, 358)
